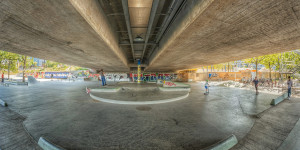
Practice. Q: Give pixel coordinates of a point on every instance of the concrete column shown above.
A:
(139, 71)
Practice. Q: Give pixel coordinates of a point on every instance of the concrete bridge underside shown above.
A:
(201, 32)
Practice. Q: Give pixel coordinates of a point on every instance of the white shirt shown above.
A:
(206, 84)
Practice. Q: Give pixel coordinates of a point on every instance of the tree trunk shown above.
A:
(270, 70)
(256, 67)
(228, 67)
(24, 67)
(8, 69)
(279, 75)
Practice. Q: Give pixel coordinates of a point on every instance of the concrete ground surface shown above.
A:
(292, 142)
(63, 113)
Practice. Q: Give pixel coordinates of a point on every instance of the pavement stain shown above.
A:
(143, 108)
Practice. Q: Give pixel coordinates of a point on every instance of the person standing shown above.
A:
(290, 85)
(102, 77)
(255, 81)
(2, 77)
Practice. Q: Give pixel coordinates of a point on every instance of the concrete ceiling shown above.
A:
(176, 34)
(216, 31)
(54, 30)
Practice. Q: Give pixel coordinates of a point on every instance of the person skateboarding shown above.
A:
(206, 88)
(255, 81)
(290, 85)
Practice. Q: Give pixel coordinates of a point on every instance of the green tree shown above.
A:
(256, 61)
(290, 62)
(9, 61)
(269, 61)
(26, 62)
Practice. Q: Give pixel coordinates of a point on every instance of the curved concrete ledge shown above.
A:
(105, 90)
(279, 99)
(46, 145)
(175, 89)
(225, 144)
(136, 102)
(3, 103)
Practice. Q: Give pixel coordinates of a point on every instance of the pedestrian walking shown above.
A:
(255, 81)
(290, 85)
(102, 77)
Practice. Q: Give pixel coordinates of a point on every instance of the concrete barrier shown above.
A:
(46, 145)
(225, 144)
(18, 83)
(279, 99)
(3, 103)
(5, 84)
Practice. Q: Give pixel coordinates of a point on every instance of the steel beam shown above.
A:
(115, 14)
(137, 43)
(175, 6)
(150, 23)
(127, 18)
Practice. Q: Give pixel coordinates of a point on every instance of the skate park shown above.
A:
(148, 74)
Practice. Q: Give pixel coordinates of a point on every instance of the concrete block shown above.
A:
(225, 144)
(3, 103)
(279, 99)
(46, 145)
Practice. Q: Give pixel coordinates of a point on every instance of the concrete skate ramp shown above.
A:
(139, 94)
(127, 101)
(32, 80)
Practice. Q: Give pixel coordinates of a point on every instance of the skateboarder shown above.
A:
(206, 87)
(255, 81)
(290, 85)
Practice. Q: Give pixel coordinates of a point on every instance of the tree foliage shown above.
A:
(9, 61)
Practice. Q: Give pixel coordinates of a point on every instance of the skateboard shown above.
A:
(206, 93)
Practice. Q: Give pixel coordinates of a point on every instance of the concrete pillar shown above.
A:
(139, 71)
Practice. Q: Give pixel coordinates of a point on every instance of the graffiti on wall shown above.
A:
(169, 84)
(117, 77)
(146, 77)
(153, 77)
(212, 75)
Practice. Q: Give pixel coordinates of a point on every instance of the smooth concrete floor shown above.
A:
(63, 113)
